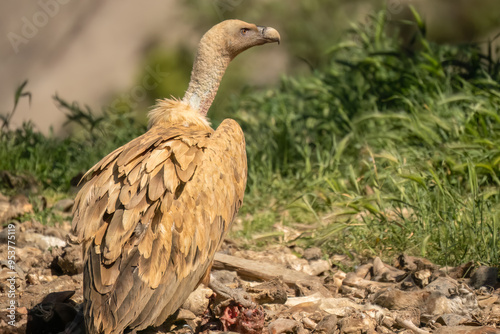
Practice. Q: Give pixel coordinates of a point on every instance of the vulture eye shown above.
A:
(244, 31)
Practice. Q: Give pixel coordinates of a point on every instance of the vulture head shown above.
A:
(238, 36)
(217, 48)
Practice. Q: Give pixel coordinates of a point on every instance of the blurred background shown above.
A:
(126, 54)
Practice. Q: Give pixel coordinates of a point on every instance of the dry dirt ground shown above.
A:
(283, 289)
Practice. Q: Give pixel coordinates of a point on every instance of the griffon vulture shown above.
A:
(152, 213)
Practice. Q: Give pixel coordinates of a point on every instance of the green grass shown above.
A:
(383, 130)
(387, 149)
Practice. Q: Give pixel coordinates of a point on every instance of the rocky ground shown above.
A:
(282, 289)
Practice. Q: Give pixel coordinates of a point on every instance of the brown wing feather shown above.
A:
(151, 227)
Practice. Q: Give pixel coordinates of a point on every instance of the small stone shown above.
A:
(284, 326)
(358, 322)
(43, 242)
(271, 292)
(421, 277)
(198, 300)
(487, 301)
(185, 315)
(313, 253)
(32, 279)
(70, 262)
(327, 325)
(318, 267)
(451, 319)
(22, 310)
(308, 323)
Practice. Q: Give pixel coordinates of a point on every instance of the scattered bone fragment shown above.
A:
(357, 322)
(327, 325)
(255, 270)
(314, 298)
(308, 323)
(364, 271)
(410, 314)
(308, 287)
(421, 277)
(284, 326)
(494, 313)
(406, 323)
(270, 292)
(353, 280)
(198, 300)
(317, 267)
(338, 278)
(354, 292)
(321, 305)
(385, 273)
(451, 319)
(412, 263)
(487, 301)
(337, 306)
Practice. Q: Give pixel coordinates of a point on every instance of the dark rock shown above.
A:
(451, 319)
(70, 262)
(484, 276)
(327, 325)
(53, 315)
(461, 271)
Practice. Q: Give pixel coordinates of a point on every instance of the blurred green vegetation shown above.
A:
(384, 149)
(313, 25)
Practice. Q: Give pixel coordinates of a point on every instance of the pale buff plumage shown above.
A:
(153, 212)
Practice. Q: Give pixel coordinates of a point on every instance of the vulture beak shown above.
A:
(269, 34)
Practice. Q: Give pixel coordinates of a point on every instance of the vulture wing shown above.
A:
(151, 217)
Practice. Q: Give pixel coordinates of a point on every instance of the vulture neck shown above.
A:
(209, 66)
